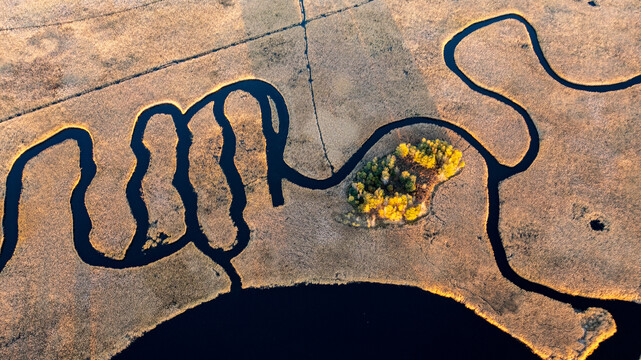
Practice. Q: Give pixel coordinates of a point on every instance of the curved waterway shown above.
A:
(623, 345)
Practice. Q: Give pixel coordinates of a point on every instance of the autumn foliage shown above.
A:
(397, 188)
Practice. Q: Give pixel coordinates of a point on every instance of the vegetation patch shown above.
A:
(398, 188)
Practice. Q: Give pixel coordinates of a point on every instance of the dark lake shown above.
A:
(360, 320)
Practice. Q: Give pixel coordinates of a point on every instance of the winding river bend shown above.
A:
(626, 314)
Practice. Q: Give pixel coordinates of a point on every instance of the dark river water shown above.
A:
(356, 320)
(369, 320)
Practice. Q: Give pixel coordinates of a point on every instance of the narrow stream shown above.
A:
(625, 343)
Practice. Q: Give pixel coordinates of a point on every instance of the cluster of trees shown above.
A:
(387, 188)
(437, 154)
